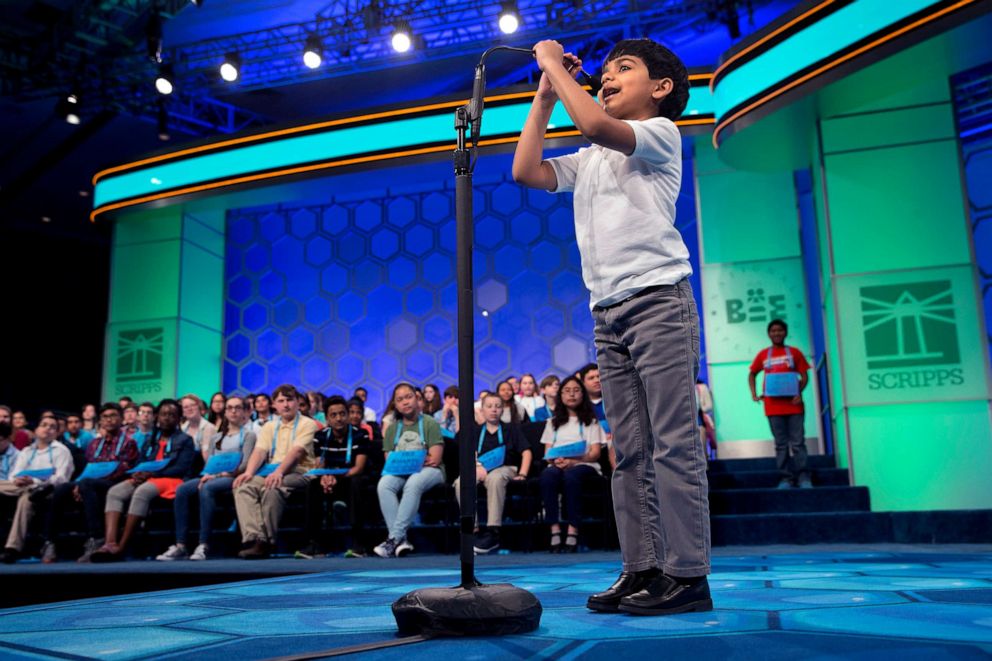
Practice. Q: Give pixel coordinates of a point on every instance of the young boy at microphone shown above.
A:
(636, 266)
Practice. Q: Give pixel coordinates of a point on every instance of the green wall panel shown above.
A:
(901, 126)
(202, 295)
(144, 282)
(148, 225)
(740, 299)
(911, 336)
(199, 359)
(748, 215)
(139, 360)
(897, 208)
(924, 456)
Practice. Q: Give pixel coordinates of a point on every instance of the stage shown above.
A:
(905, 601)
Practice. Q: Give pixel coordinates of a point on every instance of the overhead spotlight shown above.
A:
(509, 18)
(164, 83)
(311, 53)
(68, 108)
(163, 121)
(402, 39)
(153, 37)
(231, 67)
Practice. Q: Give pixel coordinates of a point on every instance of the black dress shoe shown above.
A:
(628, 583)
(666, 596)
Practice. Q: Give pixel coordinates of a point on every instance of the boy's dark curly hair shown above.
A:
(661, 63)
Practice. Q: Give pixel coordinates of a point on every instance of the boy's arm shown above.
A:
(529, 168)
(588, 116)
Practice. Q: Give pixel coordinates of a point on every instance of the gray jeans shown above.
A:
(648, 353)
(790, 438)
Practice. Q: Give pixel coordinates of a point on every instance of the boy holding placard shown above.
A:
(108, 457)
(573, 439)
(45, 463)
(502, 455)
(414, 448)
(342, 451)
(284, 452)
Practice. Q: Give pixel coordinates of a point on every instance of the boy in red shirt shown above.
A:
(786, 376)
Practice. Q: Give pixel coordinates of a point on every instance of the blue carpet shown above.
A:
(817, 605)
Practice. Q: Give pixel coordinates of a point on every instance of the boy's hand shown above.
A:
(548, 53)
(545, 91)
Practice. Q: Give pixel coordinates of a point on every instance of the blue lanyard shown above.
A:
(275, 435)
(67, 438)
(582, 435)
(347, 456)
(34, 451)
(199, 432)
(547, 408)
(153, 446)
(482, 436)
(117, 451)
(6, 465)
(420, 430)
(788, 356)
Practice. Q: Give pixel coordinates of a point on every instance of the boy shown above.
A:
(784, 403)
(647, 332)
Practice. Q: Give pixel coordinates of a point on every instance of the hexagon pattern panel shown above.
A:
(978, 172)
(362, 292)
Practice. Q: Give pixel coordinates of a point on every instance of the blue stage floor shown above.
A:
(824, 603)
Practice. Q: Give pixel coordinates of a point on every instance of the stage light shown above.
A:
(401, 40)
(196, 3)
(509, 18)
(163, 121)
(68, 108)
(230, 69)
(164, 82)
(311, 53)
(153, 37)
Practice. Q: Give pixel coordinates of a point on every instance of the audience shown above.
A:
(411, 432)
(285, 450)
(113, 448)
(502, 455)
(266, 449)
(234, 442)
(43, 465)
(19, 437)
(167, 445)
(343, 447)
(8, 453)
(528, 397)
(574, 425)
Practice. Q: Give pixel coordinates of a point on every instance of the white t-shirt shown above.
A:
(530, 404)
(573, 432)
(625, 212)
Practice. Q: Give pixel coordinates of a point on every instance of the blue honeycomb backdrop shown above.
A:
(359, 288)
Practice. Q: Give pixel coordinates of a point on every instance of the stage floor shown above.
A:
(920, 602)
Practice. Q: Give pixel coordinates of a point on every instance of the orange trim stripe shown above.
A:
(766, 38)
(830, 65)
(305, 168)
(301, 129)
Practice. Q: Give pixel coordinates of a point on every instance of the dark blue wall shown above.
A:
(358, 287)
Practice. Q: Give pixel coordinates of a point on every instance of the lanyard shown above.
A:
(117, 451)
(275, 435)
(582, 435)
(199, 432)
(34, 451)
(153, 446)
(68, 439)
(482, 436)
(788, 356)
(347, 455)
(547, 407)
(6, 465)
(420, 430)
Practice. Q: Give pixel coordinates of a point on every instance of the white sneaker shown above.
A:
(175, 552)
(200, 552)
(387, 549)
(404, 548)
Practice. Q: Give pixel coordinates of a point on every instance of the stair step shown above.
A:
(790, 501)
(765, 463)
(767, 479)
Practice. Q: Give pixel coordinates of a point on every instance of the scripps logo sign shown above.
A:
(910, 334)
(138, 359)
